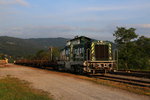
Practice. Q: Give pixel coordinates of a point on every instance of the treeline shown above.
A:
(52, 53)
(133, 50)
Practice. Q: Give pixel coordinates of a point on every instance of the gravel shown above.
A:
(62, 87)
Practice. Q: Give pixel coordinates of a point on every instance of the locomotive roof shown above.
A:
(80, 38)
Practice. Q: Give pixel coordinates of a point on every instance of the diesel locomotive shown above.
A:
(84, 55)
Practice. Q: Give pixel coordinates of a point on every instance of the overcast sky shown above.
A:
(67, 18)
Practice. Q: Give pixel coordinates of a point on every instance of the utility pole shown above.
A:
(115, 57)
(51, 52)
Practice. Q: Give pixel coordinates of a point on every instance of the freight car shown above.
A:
(37, 63)
(80, 55)
(84, 55)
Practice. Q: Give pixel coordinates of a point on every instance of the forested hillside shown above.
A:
(23, 47)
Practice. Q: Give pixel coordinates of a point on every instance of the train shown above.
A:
(80, 55)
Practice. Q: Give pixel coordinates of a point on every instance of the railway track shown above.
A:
(132, 73)
(127, 80)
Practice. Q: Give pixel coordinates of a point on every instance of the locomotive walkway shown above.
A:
(63, 87)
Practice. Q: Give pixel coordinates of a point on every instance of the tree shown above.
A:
(124, 36)
(124, 43)
(143, 53)
(42, 55)
(55, 53)
(51, 54)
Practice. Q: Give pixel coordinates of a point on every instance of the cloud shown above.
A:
(142, 25)
(113, 8)
(143, 29)
(55, 31)
(14, 2)
(104, 8)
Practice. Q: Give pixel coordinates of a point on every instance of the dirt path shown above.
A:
(67, 88)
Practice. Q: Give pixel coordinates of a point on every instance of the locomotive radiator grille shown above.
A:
(101, 52)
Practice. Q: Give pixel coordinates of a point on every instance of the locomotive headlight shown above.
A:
(110, 58)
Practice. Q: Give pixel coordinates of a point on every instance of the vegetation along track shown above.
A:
(126, 80)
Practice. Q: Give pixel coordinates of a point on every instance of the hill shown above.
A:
(47, 42)
(22, 47)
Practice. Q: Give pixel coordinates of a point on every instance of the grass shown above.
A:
(15, 89)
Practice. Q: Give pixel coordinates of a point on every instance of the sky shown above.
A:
(96, 19)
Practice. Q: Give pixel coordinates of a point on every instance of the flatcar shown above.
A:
(37, 63)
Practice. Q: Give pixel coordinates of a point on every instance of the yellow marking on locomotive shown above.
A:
(93, 51)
